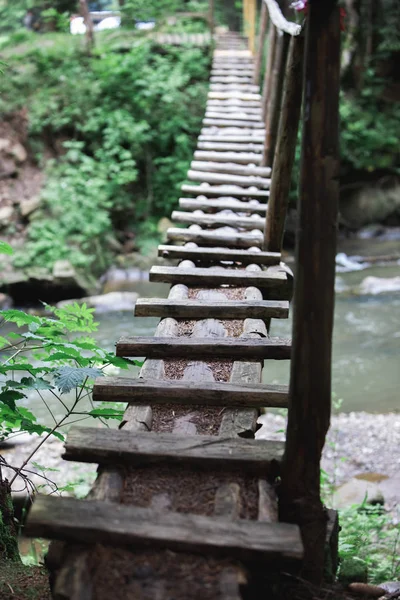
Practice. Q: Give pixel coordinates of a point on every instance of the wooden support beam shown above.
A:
(310, 396)
(231, 168)
(218, 220)
(271, 48)
(228, 179)
(205, 348)
(204, 255)
(274, 282)
(261, 43)
(188, 393)
(196, 309)
(124, 525)
(224, 190)
(210, 205)
(244, 158)
(215, 238)
(113, 446)
(285, 147)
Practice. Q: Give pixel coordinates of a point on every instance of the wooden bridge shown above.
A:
(187, 503)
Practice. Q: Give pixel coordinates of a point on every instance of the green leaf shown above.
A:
(68, 378)
(9, 398)
(19, 317)
(107, 413)
(36, 384)
(5, 248)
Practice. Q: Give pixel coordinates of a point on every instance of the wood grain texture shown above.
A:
(229, 179)
(111, 446)
(224, 190)
(141, 391)
(239, 157)
(217, 220)
(229, 309)
(210, 205)
(230, 147)
(119, 525)
(216, 238)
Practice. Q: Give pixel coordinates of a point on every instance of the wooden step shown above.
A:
(223, 190)
(195, 309)
(223, 204)
(228, 94)
(205, 255)
(231, 79)
(81, 521)
(274, 283)
(228, 71)
(215, 238)
(231, 130)
(113, 446)
(231, 168)
(189, 393)
(210, 122)
(218, 220)
(204, 348)
(218, 146)
(233, 103)
(231, 110)
(231, 139)
(228, 179)
(237, 115)
(244, 158)
(234, 87)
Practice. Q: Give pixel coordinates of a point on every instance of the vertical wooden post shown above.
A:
(285, 147)
(245, 8)
(261, 41)
(252, 25)
(310, 378)
(211, 16)
(275, 98)
(271, 47)
(87, 19)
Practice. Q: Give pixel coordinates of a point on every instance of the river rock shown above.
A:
(372, 205)
(29, 206)
(5, 302)
(379, 285)
(358, 491)
(18, 152)
(111, 302)
(6, 214)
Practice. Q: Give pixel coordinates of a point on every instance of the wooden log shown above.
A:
(141, 391)
(271, 47)
(110, 446)
(224, 190)
(231, 168)
(244, 158)
(237, 115)
(275, 282)
(205, 348)
(310, 397)
(234, 87)
(227, 122)
(275, 98)
(261, 42)
(229, 147)
(285, 148)
(223, 204)
(228, 179)
(230, 79)
(219, 255)
(219, 219)
(229, 94)
(125, 525)
(218, 132)
(279, 20)
(215, 238)
(229, 309)
(227, 110)
(233, 102)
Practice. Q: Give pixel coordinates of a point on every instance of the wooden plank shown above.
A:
(143, 391)
(235, 169)
(234, 102)
(227, 94)
(210, 205)
(236, 115)
(219, 255)
(231, 309)
(205, 348)
(228, 179)
(224, 190)
(275, 282)
(113, 446)
(210, 122)
(234, 87)
(229, 147)
(216, 238)
(228, 78)
(121, 525)
(219, 219)
(231, 130)
(229, 157)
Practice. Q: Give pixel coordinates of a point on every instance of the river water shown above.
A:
(366, 345)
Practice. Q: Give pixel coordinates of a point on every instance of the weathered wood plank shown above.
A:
(228, 94)
(275, 282)
(218, 146)
(226, 122)
(239, 138)
(206, 255)
(231, 309)
(219, 219)
(228, 78)
(223, 204)
(140, 391)
(205, 348)
(111, 446)
(239, 157)
(120, 525)
(231, 108)
(236, 115)
(216, 238)
(229, 179)
(224, 190)
(234, 87)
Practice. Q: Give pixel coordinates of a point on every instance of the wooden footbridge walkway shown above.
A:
(187, 503)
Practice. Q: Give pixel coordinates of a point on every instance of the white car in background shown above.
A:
(103, 20)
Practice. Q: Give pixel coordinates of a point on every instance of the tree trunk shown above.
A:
(8, 533)
(84, 10)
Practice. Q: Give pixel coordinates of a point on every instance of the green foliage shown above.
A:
(132, 120)
(368, 537)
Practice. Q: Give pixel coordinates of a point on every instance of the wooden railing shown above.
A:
(302, 73)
